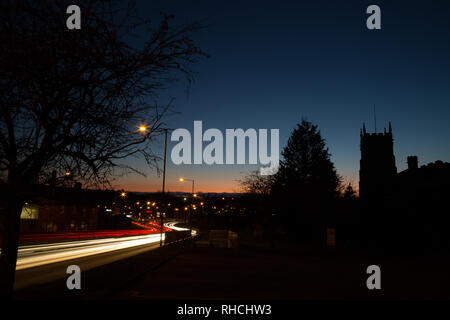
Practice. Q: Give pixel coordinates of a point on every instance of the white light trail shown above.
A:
(42, 254)
(171, 225)
(37, 255)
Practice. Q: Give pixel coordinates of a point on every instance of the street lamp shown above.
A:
(192, 202)
(164, 181)
(142, 129)
(184, 179)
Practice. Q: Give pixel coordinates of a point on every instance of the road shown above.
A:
(38, 255)
(42, 263)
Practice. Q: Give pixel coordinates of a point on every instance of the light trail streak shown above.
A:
(37, 255)
(42, 254)
(171, 225)
(47, 237)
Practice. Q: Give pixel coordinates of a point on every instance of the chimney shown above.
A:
(413, 163)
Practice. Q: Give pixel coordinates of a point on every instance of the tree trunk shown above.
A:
(10, 244)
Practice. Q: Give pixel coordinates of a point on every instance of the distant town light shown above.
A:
(181, 179)
(123, 194)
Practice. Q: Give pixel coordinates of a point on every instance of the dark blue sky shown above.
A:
(273, 63)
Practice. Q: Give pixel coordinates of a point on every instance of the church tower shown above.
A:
(377, 165)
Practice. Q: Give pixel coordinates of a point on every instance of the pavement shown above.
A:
(242, 273)
(180, 272)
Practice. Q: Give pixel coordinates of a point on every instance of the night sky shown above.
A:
(273, 63)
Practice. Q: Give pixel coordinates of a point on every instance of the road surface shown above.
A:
(41, 263)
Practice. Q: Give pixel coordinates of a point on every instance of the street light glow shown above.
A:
(142, 128)
(181, 179)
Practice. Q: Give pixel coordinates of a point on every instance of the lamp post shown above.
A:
(192, 202)
(143, 129)
(164, 181)
(163, 187)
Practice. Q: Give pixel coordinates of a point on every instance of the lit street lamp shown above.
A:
(142, 129)
(192, 202)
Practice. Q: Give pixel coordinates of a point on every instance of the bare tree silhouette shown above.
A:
(349, 192)
(73, 100)
(254, 183)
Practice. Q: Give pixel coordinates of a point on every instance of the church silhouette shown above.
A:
(408, 208)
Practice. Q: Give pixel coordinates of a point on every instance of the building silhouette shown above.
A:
(377, 164)
(413, 163)
(411, 206)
